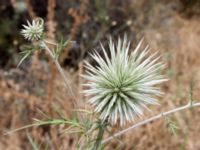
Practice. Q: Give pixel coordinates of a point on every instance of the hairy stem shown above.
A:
(189, 105)
(62, 74)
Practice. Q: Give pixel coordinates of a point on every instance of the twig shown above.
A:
(51, 24)
(189, 105)
(30, 9)
(51, 28)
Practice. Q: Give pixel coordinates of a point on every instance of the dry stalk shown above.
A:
(80, 17)
(51, 24)
(51, 28)
(30, 9)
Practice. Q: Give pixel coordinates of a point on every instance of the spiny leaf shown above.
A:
(33, 143)
(47, 122)
(59, 112)
(28, 51)
(60, 47)
(173, 127)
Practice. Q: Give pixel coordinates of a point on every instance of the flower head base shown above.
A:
(33, 31)
(122, 86)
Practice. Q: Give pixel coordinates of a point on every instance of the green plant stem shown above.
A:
(101, 128)
(189, 105)
(62, 74)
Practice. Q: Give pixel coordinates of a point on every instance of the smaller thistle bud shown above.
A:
(33, 31)
(122, 86)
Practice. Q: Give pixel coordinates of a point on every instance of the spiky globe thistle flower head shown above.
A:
(120, 87)
(34, 30)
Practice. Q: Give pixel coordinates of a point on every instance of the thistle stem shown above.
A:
(62, 74)
(189, 105)
(101, 129)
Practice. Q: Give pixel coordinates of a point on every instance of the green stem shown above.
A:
(66, 81)
(98, 142)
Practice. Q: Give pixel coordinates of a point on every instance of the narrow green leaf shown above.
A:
(33, 143)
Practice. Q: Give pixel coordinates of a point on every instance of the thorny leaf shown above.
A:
(28, 51)
(173, 127)
(60, 47)
(37, 123)
(32, 142)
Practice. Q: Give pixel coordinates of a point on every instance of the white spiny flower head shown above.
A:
(121, 87)
(34, 30)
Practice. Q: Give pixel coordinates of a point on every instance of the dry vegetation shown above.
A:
(170, 27)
